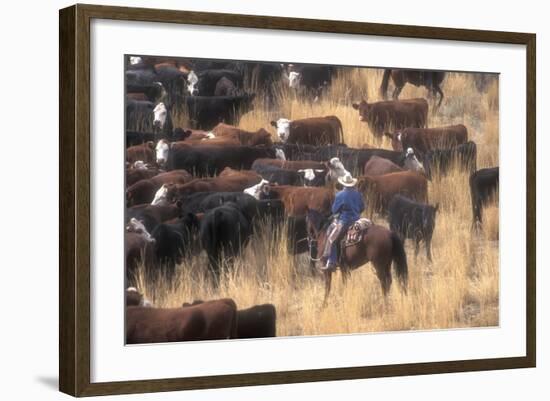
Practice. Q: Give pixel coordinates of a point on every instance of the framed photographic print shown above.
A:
(250, 200)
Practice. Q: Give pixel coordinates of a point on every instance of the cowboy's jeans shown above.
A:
(333, 233)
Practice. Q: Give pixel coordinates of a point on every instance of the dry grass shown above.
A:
(459, 289)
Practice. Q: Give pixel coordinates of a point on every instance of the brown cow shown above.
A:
(134, 175)
(247, 138)
(258, 321)
(379, 190)
(144, 152)
(424, 139)
(310, 131)
(379, 166)
(213, 320)
(396, 114)
(298, 200)
(236, 181)
(144, 191)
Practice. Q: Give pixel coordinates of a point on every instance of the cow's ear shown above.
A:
(355, 106)
(273, 124)
(388, 134)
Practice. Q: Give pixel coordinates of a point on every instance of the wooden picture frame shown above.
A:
(75, 207)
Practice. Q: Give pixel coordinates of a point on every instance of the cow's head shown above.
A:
(294, 79)
(137, 226)
(161, 196)
(160, 113)
(256, 190)
(412, 163)
(428, 217)
(139, 165)
(162, 150)
(192, 83)
(363, 108)
(397, 138)
(313, 177)
(336, 169)
(283, 128)
(135, 60)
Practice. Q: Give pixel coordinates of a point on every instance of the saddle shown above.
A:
(355, 232)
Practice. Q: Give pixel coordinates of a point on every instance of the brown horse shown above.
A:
(379, 246)
(430, 79)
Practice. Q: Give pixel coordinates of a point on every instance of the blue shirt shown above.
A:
(349, 204)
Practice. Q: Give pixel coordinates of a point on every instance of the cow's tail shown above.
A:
(385, 82)
(400, 261)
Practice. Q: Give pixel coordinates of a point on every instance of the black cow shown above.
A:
(172, 79)
(224, 231)
(205, 112)
(139, 115)
(413, 220)
(250, 206)
(172, 242)
(208, 79)
(483, 185)
(259, 321)
(153, 91)
(442, 160)
(311, 79)
(276, 175)
(205, 160)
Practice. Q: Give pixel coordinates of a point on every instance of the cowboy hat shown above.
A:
(347, 180)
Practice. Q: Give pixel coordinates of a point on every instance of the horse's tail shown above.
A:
(385, 81)
(400, 260)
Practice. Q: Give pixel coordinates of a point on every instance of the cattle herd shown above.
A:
(205, 187)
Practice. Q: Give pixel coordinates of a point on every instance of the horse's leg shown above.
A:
(428, 241)
(397, 91)
(438, 89)
(383, 272)
(345, 275)
(328, 279)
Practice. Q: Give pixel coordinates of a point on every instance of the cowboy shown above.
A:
(346, 209)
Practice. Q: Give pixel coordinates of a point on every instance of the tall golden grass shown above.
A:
(459, 289)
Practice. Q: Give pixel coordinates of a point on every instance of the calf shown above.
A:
(381, 189)
(440, 161)
(422, 140)
(483, 185)
(172, 241)
(144, 152)
(246, 138)
(396, 114)
(310, 131)
(298, 200)
(213, 320)
(413, 220)
(224, 231)
(144, 191)
(259, 321)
